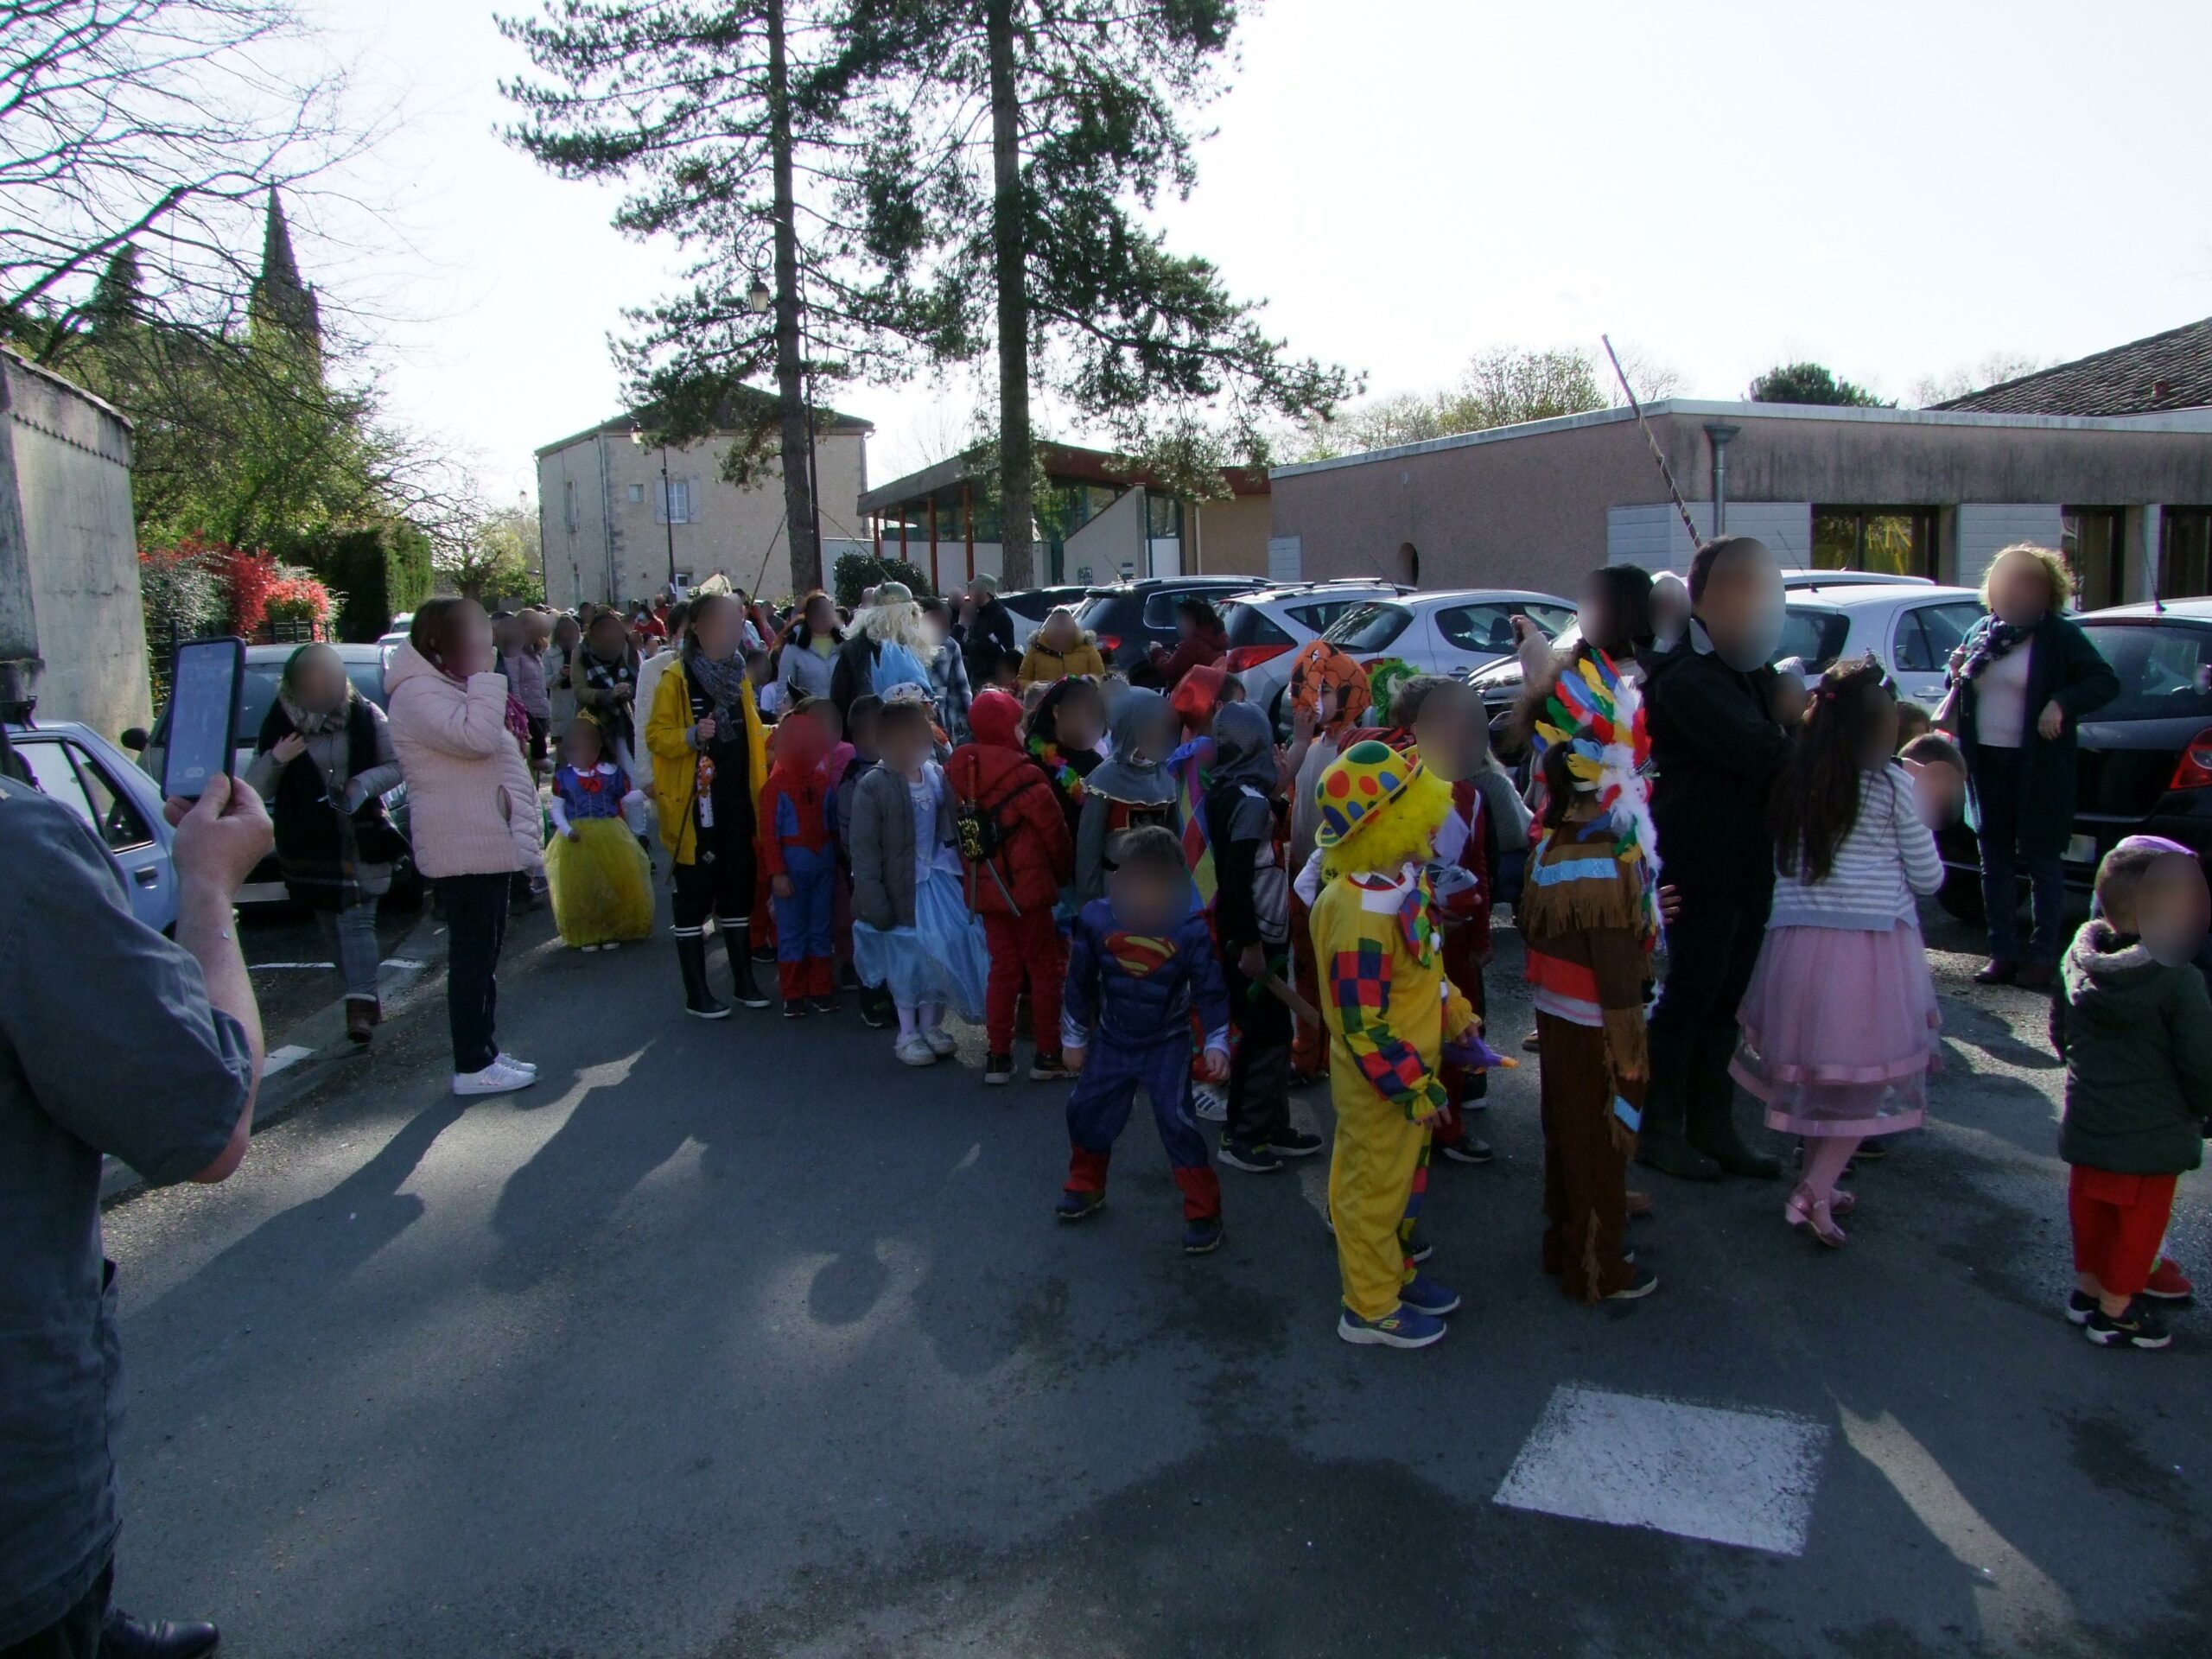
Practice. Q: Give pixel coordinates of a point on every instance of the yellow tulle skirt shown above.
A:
(602, 887)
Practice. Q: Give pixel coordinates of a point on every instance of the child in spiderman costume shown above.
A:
(800, 861)
(1139, 961)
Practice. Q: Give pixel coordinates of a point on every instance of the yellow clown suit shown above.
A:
(1389, 1010)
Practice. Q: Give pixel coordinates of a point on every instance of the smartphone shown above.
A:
(203, 731)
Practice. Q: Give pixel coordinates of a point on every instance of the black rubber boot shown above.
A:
(1712, 1114)
(737, 943)
(1664, 1143)
(699, 1002)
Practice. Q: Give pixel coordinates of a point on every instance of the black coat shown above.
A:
(852, 674)
(988, 635)
(1717, 750)
(2065, 667)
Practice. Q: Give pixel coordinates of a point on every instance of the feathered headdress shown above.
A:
(1599, 716)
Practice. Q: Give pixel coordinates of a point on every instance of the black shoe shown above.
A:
(699, 1002)
(1471, 1150)
(873, 1014)
(794, 1007)
(737, 946)
(1998, 970)
(998, 1068)
(823, 1004)
(1734, 1158)
(2079, 1305)
(2135, 1327)
(1049, 1068)
(1418, 1248)
(1671, 1155)
(1202, 1237)
(125, 1637)
(1637, 1288)
(1295, 1143)
(1245, 1155)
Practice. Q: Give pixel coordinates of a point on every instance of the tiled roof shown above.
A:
(2168, 371)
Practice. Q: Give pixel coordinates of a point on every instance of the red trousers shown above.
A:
(2118, 1222)
(1027, 947)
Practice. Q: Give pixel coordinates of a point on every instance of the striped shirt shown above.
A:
(1888, 858)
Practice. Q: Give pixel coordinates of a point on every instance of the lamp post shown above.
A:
(757, 301)
(667, 506)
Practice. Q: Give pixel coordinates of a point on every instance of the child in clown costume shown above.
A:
(1390, 1012)
(1589, 915)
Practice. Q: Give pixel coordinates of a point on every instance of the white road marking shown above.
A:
(403, 964)
(1728, 1476)
(324, 967)
(291, 1054)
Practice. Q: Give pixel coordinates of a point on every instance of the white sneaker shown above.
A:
(940, 1042)
(527, 1068)
(495, 1079)
(1209, 1103)
(916, 1051)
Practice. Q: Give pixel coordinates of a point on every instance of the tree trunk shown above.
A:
(1009, 223)
(801, 524)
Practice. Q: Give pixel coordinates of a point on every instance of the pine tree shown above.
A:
(1013, 146)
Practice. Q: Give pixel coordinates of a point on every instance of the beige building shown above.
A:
(609, 534)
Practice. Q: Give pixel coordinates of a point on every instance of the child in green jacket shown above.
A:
(2133, 1023)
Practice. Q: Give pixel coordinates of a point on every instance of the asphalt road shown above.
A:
(291, 963)
(744, 1340)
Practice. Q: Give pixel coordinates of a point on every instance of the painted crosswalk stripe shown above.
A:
(1728, 1475)
(291, 1054)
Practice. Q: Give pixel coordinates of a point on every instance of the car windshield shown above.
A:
(1370, 627)
(2164, 669)
(258, 690)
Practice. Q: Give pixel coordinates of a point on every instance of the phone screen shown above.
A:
(203, 714)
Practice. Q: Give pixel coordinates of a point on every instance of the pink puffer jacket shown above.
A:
(471, 808)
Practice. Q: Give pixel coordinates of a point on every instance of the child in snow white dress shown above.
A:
(1840, 1024)
(602, 887)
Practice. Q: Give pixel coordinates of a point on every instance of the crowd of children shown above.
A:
(1161, 892)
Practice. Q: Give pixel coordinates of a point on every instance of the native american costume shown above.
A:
(1589, 917)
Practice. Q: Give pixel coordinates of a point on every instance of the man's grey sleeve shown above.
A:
(109, 1021)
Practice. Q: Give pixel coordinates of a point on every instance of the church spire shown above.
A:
(279, 296)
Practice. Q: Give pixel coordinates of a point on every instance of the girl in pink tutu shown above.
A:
(1840, 1025)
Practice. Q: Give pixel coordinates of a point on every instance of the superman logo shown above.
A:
(1140, 955)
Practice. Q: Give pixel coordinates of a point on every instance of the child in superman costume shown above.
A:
(1390, 1013)
(1139, 961)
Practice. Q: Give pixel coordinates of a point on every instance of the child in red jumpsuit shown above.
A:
(1018, 855)
(801, 864)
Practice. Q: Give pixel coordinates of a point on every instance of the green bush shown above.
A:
(382, 570)
(856, 571)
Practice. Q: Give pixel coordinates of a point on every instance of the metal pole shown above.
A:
(1718, 432)
(668, 517)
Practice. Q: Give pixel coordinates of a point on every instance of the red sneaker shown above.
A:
(2166, 1283)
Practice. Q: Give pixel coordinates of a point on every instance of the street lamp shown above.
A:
(667, 506)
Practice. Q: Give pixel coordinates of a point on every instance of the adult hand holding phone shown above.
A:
(219, 837)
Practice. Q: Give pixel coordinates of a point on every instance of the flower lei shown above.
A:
(1065, 777)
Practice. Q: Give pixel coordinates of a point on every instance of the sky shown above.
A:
(1897, 190)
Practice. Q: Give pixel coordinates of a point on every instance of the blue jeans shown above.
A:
(1997, 796)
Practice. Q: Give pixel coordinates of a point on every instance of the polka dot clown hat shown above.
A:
(1360, 783)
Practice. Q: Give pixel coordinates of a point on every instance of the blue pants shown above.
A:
(1099, 1110)
(803, 923)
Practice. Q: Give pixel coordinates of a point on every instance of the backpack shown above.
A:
(976, 831)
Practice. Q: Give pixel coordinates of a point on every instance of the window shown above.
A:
(55, 777)
(1163, 517)
(1370, 627)
(1320, 617)
(637, 492)
(2089, 537)
(2164, 669)
(1926, 637)
(1251, 625)
(677, 508)
(1813, 637)
(1489, 628)
(1890, 541)
(568, 504)
(114, 814)
(2185, 552)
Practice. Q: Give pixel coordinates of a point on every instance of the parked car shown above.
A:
(2145, 760)
(1130, 618)
(1450, 632)
(264, 666)
(75, 766)
(1269, 628)
(1031, 606)
(1909, 623)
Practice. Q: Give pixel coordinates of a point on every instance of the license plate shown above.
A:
(2081, 849)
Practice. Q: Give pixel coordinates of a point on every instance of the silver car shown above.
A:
(76, 767)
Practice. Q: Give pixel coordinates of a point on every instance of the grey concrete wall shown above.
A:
(69, 475)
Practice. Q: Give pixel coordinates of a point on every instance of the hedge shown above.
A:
(383, 569)
(856, 571)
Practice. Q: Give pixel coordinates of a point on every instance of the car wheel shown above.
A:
(1961, 895)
